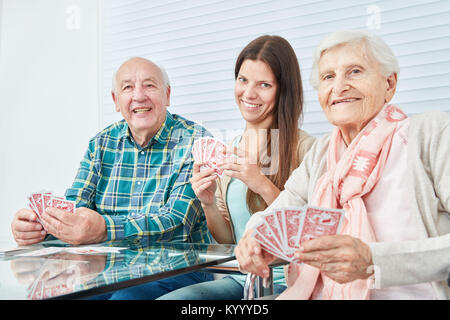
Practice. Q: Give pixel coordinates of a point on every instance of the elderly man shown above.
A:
(134, 178)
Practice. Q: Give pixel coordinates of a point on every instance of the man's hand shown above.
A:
(341, 258)
(251, 257)
(26, 229)
(82, 227)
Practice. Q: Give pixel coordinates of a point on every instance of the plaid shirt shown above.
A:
(143, 191)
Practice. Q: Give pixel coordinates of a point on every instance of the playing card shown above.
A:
(293, 221)
(209, 151)
(202, 152)
(217, 156)
(66, 205)
(13, 250)
(41, 252)
(93, 250)
(281, 231)
(267, 245)
(196, 150)
(320, 222)
(38, 204)
(279, 214)
(203, 144)
(210, 143)
(39, 201)
(267, 233)
(272, 222)
(46, 201)
(31, 203)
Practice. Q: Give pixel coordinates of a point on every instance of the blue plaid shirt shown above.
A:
(143, 191)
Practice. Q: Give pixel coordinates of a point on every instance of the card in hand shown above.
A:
(39, 201)
(320, 222)
(282, 231)
(265, 230)
(267, 244)
(211, 152)
(217, 156)
(272, 223)
(62, 204)
(197, 149)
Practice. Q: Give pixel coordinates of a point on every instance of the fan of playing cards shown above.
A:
(281, 231)
(211, 152)
(39, 201)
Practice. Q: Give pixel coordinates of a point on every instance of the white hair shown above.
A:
(164, 74)
(381, 52)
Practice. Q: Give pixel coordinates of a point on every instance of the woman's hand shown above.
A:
(244, 167)
(341, 258)
(204, 184)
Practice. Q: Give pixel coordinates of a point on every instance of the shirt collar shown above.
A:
(163, 132)
(160, 136)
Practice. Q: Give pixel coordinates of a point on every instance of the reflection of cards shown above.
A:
(211, 152)
(281, 232)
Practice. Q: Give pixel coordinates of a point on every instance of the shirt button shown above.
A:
(142, 152)
(139, 183)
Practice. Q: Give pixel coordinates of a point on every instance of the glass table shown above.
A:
(110, 266)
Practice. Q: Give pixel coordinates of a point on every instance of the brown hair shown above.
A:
(279, 55)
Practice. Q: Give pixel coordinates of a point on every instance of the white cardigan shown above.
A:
(405, 262)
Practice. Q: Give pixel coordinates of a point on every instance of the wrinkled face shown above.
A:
(141, 96)
(352, 89)
(255, 93)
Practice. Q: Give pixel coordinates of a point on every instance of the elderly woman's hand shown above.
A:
(251, 257)
(341, 258)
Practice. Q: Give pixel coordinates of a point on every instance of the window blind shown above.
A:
(198, 41)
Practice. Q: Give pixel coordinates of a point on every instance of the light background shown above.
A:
(57, 59)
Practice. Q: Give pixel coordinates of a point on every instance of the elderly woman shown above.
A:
(389, 172)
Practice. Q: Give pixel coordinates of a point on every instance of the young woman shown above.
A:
(268, 91)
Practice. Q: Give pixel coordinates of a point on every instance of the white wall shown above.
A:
(48, 96)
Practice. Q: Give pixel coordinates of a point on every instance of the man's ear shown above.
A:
(391, 87)
(113, 94)
(168, 96)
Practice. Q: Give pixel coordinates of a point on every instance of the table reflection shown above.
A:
(63, 274)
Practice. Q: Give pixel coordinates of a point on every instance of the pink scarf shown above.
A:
(344, 184)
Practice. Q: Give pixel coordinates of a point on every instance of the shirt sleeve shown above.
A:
(176, 220)
(83, 189)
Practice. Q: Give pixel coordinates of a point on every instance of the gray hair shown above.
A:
(164, 74)
(374, 44)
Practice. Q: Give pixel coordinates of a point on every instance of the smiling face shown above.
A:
(352, 89)
(142, 98)
(255, 93)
